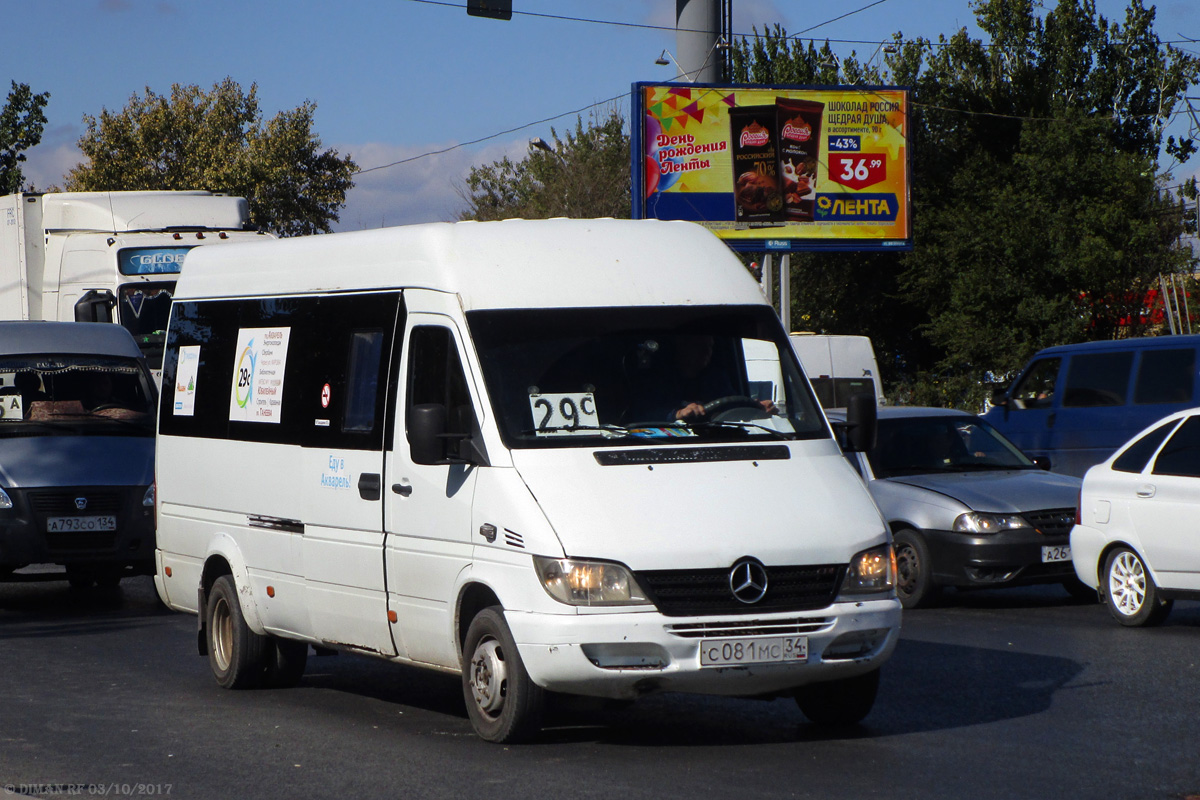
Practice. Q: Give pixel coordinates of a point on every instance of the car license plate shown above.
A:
(1052, 554)
(755, 650)
(107, 522)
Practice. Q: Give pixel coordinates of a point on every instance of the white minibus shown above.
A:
(522, 451)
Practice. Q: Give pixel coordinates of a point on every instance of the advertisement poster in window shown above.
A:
(776, 168)
(185, 380)
(258, 366)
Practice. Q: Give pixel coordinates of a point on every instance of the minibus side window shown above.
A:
(1098, 379)
(362, 381)
(1036, 389)
(435, 375)
(1166, 376)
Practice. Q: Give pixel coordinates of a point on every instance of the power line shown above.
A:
(672, 29)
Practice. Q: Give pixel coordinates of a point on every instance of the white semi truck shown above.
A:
(108, 256)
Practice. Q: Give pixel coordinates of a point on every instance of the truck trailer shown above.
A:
(108, 256)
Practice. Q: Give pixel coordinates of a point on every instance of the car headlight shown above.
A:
(588, 583)
(974, 522)
(871, 571)
(148, 497)
(5, 500)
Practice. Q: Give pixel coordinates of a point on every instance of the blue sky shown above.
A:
(397, 79)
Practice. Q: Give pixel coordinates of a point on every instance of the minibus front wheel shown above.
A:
(503, 703)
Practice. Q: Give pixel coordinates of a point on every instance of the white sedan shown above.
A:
(1137, 530)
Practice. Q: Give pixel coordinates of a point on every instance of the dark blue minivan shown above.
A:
(1076, 404)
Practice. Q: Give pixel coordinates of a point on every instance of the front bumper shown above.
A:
(1008, 558)
(25, 537)
(625, 655)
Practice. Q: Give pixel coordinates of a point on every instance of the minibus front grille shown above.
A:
(1052, 522)
(791, 626)
(704, 592)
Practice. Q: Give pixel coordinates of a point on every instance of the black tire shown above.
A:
(236, 654)
(1129, 591)
(841, 703)
(80, 579)
(1080, 590)
(503, 703)
(914, 583)
(109, 579)
(286, 660)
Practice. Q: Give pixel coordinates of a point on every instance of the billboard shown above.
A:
(775, 167)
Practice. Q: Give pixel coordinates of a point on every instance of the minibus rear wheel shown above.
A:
(236, 654)
(503, 703)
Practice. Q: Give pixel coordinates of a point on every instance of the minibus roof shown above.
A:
(557, 263)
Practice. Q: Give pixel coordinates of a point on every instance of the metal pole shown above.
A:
(1162, 287)
(785, 291)
(697, 31)
(768, 288)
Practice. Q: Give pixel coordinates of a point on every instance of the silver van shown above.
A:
(77, 409)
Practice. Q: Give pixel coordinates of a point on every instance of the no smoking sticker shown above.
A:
(326, 392)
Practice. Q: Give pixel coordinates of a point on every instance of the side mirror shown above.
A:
(999, 397)
(426, 431)
(1041, 462)
(429, 443)
(96, 305)
(861, 422)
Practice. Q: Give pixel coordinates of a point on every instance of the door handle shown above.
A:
(1146, 490)
(402, 489)
(369, 486)
(1050, 419)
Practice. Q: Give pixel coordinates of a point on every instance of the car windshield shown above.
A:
(74, 394)
(917, 445)
(576, 377)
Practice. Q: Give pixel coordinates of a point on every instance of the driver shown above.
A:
(697, 380)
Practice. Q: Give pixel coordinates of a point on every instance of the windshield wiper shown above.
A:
(603, 429)
(736, 424)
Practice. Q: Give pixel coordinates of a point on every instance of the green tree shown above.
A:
(586, 175)
(217, 140)
(21, 123)
(1040, 216)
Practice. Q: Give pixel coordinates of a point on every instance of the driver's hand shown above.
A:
(768, 406)
(690, 411)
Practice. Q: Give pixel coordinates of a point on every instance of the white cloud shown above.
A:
(422, 190)
(47, 164)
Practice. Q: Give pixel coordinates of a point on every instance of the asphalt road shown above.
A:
(1016, 694)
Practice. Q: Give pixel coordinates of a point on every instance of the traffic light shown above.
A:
(495, 9)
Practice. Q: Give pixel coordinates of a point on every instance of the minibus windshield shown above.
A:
(582, 376)
(74, 394)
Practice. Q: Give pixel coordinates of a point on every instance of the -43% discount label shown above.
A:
(857, 170)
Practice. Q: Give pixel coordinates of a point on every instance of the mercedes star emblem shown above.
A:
(748, 581)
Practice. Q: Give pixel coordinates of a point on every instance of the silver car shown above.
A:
(966, 507)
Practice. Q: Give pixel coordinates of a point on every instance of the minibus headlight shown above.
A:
(974, 522)
(588, 583)
(871, 571)
(5, 500)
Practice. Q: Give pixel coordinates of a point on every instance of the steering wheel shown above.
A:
(106, 407)
(717, 409)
